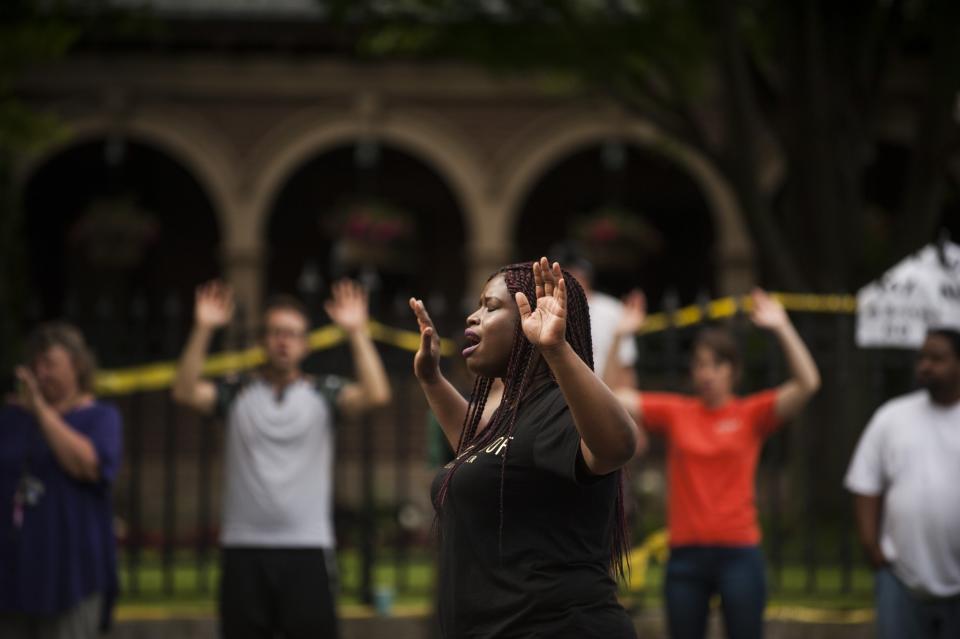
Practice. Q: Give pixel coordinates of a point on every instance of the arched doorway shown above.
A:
(372, 211)
(118, 234)
(639, 217)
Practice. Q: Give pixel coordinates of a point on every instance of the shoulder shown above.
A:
(604, 304)
(326, 387)
(904, 406)
(104, 411)
(104, 407)
(893, 420)
(328, 384)
(99, 419)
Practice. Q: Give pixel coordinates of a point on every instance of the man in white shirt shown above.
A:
(605, 313)
(905, 477)
(277, 534)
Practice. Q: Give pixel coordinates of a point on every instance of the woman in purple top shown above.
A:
(59, 454)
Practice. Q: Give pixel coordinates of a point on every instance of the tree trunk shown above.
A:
(740, 154)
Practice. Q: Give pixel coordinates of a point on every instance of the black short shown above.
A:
(269, 591)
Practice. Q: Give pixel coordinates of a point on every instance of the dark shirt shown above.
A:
(65, 549)
(546, 574)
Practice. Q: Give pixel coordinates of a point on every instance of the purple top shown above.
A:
(65, 549)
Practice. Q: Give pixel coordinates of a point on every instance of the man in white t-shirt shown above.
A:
(605, 313)
(277, 533)
(905, 477)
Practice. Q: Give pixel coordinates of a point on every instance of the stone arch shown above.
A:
(554, 138)
(186, 142)
(309, 134)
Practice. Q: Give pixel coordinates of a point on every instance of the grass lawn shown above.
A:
(194, 591)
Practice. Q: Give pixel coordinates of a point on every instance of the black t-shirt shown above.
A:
(551, 577)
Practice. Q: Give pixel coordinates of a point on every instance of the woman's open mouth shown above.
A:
(473, 341)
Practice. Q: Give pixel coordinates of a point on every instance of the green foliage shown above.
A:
(587, 44)
(740, 81)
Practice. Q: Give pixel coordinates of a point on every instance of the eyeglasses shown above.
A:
(284, 332)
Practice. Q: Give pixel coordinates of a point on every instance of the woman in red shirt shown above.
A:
(714, 440)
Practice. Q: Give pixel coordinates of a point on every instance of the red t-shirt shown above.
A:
(711, 463)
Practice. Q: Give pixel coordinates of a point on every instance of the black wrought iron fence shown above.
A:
(168, 492)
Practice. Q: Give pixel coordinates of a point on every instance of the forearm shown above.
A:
(604, 426)
(612, 368)
(803, 369)
(74, 452)
(867, 512)
(190, 365)
(369, 366)
(449, 407)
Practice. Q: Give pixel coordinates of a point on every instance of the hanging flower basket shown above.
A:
(114, 233)
(615, 238)
(373, 233)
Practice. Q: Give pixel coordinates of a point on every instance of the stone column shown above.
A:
(489, 245)
(243, 256)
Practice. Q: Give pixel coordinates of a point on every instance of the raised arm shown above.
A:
(446, 403)
(349, 309)
(615, 373)
(73, 451)
(608, 435)
(213, 309)
(804, 380)
(633, 317)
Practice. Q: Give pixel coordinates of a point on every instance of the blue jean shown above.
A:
(696, 573)
(903, 615)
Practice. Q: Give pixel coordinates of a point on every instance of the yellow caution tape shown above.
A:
(159, 375)
(655, 546)
(729, 306)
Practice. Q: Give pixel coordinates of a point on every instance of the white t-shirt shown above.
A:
(278, 464)
(910, 454)
(605, 312)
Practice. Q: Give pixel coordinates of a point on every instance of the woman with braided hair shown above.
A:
(530, 513)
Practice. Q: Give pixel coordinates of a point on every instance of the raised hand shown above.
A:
(348, 307)
(426, 363)
(214, 305)
(28, 395)
(634, 313)
(767, 312)
(546, 325)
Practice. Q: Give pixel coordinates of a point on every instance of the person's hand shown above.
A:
(214, 305)
(767, 312)
(546, 325)
(876, 558)
(28, 396)
(634, 313)
(426, 363)
(348, 307)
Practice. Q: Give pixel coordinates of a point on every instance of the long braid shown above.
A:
(582, 343)
(520, 369)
